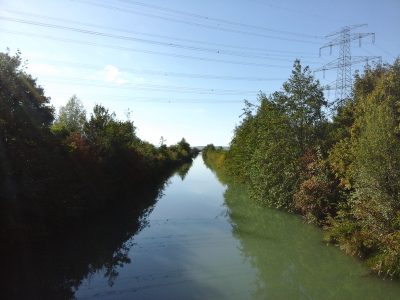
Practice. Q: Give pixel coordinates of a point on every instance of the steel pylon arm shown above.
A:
(353, 36)
(343, 38)
(334, 64)
(346, 28)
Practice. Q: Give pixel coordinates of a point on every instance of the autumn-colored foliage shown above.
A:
(341, 173)
(55, 171)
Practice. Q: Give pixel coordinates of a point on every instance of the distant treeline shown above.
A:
(340, 171)
(57, 170)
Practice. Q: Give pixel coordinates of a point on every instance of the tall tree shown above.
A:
(273, 162)
(106, 135)
(24, 108)
(25, 117)
(71, 117)
(302, 100)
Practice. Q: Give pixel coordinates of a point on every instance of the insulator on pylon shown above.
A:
(343, 63)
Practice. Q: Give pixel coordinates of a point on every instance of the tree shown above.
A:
(273, 162)
(242, 144)
(106, 135)
(48, 182)
(317, 195)
(71, 117)
(24, 109)
(25, 117)
(267, 146)
(302, 100)
(369, 161)
(184, 145)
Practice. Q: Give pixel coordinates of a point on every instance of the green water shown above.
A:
(203, 240)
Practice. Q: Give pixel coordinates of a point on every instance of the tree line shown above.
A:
(339, 168)
(56, 170)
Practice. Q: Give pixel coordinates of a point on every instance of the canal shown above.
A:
(204, 240)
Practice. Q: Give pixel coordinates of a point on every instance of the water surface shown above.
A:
(203, 240)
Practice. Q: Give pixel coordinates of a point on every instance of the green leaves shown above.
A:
(51, 177)
(24, 108)
(302, 101)
(342, 174)
(268, 144)
(367, 161)
(71, 117)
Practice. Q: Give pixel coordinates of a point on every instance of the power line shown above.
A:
(385, 51)
(154, 87)
(165, 73)
(140, 40)
(151, 87)
(141, 50)
(301, 12)
(207, 18)
(192, 23)
(167, 100)
(264, 51)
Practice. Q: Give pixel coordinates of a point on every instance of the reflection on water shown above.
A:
(292, 262)
(186, 251)
(184, 170)
(54, 269)
(200, 240)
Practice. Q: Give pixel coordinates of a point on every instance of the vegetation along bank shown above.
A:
(338, 165)
(58, 171)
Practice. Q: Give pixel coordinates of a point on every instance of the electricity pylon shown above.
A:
(343, 63)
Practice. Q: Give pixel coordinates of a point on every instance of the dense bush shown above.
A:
(317, 196)
(267, 146)
(54, 173)
(368, 162)
(343, 173)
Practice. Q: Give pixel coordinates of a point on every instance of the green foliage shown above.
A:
(343, 174)
(302, 100)
(25, 118)
(50, 178)
(267, 146)
(317, 197)
(213, 156)
(368, 162)
(71, 117)
(214, 159)
(24, 109)
(25, 114)
(106, 135)
(274, 148)
(241, 146)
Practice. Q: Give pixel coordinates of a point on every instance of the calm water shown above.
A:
(203, 240)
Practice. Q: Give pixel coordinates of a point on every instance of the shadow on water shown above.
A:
(53, 268)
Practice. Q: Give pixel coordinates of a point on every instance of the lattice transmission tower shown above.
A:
(343, 38)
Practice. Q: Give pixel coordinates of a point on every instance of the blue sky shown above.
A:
(183, 68)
